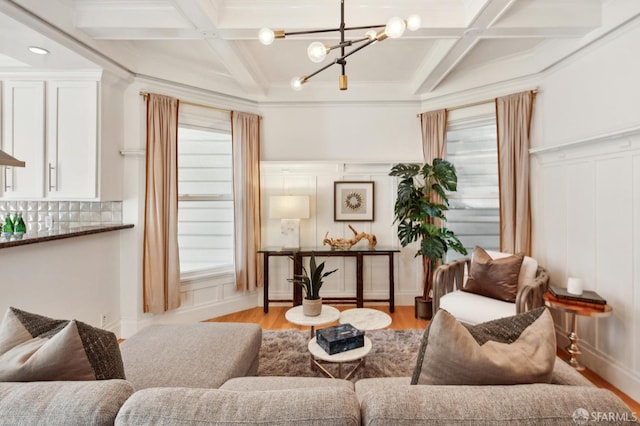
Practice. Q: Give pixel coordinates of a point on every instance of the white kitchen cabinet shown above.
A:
(23, 136)
(71, 140)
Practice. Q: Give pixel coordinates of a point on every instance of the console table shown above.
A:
(358, 253)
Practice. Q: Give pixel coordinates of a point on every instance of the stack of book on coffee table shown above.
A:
(588, 299)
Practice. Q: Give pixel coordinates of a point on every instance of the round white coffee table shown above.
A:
(328, 315)
(365, 319)
(352, 356)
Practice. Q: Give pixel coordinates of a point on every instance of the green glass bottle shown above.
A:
(19, 227)
(7, 228)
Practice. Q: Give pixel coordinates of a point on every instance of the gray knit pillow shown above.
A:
(36, 348)
(512, 350)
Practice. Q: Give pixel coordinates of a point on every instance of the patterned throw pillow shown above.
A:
(495, 278)
(511, 350)
(36, 348)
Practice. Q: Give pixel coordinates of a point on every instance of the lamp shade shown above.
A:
(289, 207)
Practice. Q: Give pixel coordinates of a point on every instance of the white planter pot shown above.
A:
(311, 308)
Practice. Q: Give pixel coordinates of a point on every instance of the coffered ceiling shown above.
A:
(212, 44)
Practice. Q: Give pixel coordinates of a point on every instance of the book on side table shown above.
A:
(588, 298)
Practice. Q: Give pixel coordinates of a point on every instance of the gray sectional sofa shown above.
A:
(203, 374)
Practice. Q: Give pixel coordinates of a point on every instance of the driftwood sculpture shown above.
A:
(346, 244)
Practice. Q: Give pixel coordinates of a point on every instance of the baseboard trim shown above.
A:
(604, 366)
(190, 314)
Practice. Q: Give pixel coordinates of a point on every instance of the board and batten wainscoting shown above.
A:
(587, 216)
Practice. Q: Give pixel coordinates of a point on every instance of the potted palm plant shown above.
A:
(311, 283)
(417, 209)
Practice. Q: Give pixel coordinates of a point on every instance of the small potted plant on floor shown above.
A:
(311, 283)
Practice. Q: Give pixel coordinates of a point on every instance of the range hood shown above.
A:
(7, 160)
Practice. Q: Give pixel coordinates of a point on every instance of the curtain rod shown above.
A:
(534, 92)
(146, 94)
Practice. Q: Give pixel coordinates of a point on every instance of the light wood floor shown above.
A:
(403, 318)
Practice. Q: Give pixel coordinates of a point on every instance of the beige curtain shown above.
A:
(513, 117)
(161, 261)
(245, 134)
(434, 132)
(434, 143)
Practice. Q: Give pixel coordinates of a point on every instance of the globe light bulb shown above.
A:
(395, 27)
(296, 83)
(266, 36)
(413, 22)
(371, 34)
(317, 52)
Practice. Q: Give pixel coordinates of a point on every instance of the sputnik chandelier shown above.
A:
(317, 51)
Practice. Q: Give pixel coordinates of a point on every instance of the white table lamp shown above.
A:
(289, 209)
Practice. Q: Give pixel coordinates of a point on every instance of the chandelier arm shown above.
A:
(330, 30)
(356, 49)
(335, 61)
(348, 43)
(342, 62)
(340, 59)
(365, 27)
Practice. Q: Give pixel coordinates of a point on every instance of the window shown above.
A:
(474, 213)
(205, 200)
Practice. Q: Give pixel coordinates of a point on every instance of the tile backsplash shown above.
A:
(64, 214)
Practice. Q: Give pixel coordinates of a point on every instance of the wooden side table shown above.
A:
(574, 310)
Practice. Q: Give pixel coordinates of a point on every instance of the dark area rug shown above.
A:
(393, 354)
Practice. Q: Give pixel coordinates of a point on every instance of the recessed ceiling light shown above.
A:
(38, 50)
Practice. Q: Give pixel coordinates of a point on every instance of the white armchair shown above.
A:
(472, 308)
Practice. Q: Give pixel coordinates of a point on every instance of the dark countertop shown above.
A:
(58, 234)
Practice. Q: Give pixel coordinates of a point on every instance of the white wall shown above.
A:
(380, 132)
(587, 197)
(75, 278)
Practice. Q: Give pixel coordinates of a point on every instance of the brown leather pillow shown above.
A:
(495, 278)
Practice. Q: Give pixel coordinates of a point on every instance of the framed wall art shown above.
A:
(352, 201)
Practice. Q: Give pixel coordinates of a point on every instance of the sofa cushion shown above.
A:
(388, 401)
(62, 403)
(260, 383)
(495, 278)
(34, 347)
(201, 355)
(517, 349)
(300, 407)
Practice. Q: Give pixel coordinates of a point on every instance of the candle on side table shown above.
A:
(574, 285)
